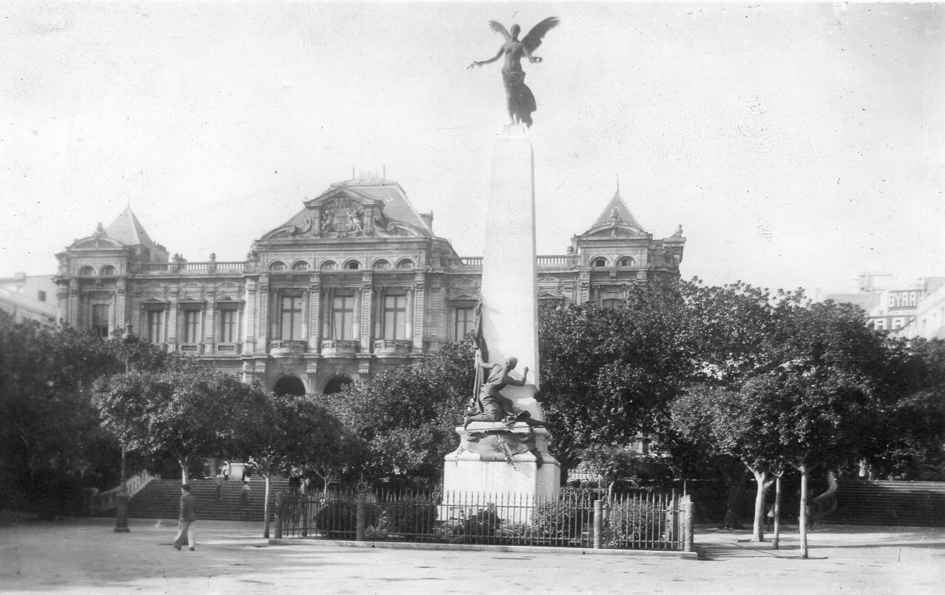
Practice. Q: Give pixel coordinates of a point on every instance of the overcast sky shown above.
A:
(798, 145)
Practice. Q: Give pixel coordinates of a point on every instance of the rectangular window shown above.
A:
(465, 323)
(395, 317)
(156, 326)
(342, 317)
(41, 295)
(100, 319)
(290, 326)
(191, 326)
(228, 329)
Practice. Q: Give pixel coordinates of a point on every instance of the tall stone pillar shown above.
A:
(495, 457)
(366, 305)
(263, 315)
(249, 318)
(417, 314)
(315, 316)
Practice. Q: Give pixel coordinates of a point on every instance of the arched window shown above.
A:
(336, 384)
(289, 385)
(108, 271)
(381, 265)
(86, 271)
(300, 265)
(277, 266)
(599, 262)
(329, 265)
(625, 261)
(352, 265)
(405, 263)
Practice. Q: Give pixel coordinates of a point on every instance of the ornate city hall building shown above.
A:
(353, 283)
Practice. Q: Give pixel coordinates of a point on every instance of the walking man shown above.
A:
(185, 523)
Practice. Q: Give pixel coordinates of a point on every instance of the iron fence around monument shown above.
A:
(582, 519)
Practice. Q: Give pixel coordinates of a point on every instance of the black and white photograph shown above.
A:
(465, 297)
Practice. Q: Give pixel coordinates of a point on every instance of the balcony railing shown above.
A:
(339, 348)
(286, 348)
(556, 260)
(210, 267)
(228, 348)
(392, 347)
(190, 348)
(544, 261)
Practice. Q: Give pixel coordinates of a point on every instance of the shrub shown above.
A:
(339, 518)
(562, 522)
(482, 524)
(406, 516)
(631, 522)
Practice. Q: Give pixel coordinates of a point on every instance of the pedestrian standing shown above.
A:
(185, 522)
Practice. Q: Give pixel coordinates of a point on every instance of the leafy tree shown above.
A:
(186, 410)
(910, 430)
(608, 374)
(49, 432)
(405, 417)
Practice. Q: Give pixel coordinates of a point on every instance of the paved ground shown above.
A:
(85, 556)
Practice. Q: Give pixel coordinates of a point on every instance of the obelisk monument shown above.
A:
(503, 456)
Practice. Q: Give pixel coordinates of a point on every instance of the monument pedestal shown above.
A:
(495, 458)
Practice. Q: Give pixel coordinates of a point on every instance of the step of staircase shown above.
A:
(160, 499)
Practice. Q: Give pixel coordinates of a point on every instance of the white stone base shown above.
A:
(496, 459)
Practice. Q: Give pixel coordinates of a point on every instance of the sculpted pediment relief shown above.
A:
(341, 214)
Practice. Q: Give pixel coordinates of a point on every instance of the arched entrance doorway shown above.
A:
(336, 384)
(289, 385)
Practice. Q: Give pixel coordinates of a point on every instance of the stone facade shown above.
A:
(354, 282)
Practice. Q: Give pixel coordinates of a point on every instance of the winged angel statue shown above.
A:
(521, 101)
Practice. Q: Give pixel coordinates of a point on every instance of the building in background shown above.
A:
(29, 297)
(354, 282)
(894, 308)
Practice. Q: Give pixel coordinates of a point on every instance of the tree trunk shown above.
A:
(266, 510)
(183, 471)
(802, 519)
(777, 511)
(758, 527)
(736, 486)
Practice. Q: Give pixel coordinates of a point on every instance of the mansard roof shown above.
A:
(355, 208)
(616, 217)
(388, 193)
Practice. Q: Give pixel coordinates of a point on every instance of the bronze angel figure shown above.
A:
(521, 101)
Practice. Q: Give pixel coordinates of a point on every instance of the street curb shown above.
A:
(522, 549)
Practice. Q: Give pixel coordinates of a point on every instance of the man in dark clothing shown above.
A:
(185, 523)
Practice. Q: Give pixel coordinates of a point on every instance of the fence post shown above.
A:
(359, 517)
(598, 512)
(687, 536)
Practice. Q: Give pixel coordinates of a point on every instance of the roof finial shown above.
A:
(618, 184)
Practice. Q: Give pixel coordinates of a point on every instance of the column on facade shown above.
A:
(73, 307)
(172, 324)
(262, 321)
(249, 317)
(121, 305)
(584, 287)
(417, 310)
(209, 332)
(364, 312)
(315, 317)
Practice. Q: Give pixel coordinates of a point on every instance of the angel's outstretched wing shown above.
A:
(533, 39)
(500, 29)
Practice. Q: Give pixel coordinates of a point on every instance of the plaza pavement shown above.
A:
(85, 556)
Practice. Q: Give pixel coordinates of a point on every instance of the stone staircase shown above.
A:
(160, 499)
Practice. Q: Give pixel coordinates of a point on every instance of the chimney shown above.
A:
(427, 219)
